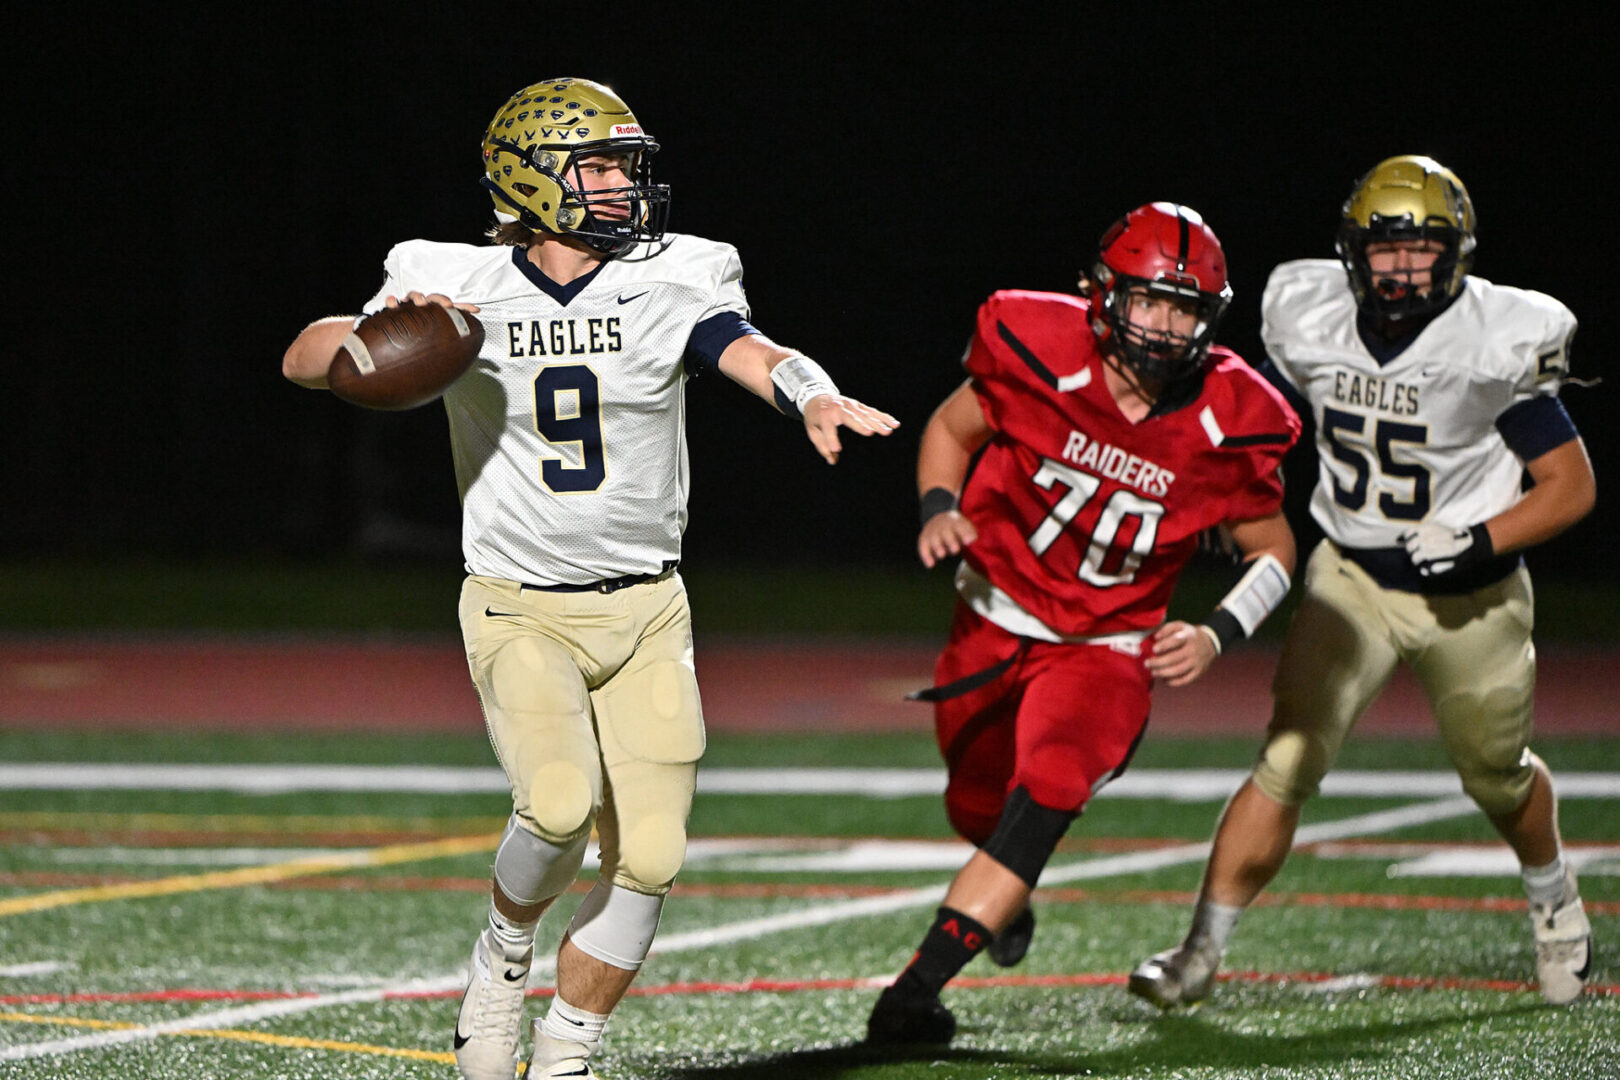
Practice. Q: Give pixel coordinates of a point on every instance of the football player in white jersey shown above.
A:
(569, 440)
(1433, 392)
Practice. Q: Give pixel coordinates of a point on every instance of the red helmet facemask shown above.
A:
(1166, 250)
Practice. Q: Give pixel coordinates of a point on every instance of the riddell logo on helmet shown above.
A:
(626, 129)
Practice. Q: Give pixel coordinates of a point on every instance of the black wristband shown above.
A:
(1226, 626)
(935, 501)
(1483, 549)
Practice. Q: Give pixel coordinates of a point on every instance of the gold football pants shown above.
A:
(1472, 654)
(592, 706)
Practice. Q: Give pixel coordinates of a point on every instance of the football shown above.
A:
(404, 357)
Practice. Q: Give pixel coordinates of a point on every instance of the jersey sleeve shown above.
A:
(1546, 355)
(459, 271)
(1276, 321)
(1262, 496)
(1004, 367)
(728, 294)
(980, 362)
(393, 284)
(1265, 429)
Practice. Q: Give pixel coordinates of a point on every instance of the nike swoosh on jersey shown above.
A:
(638, 296)
(490, 612)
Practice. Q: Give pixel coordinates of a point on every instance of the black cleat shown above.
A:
(903, 1017)
(1008, 947)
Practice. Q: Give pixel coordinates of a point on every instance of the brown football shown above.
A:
(405, 356)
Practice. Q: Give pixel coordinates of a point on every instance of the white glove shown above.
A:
(1440, 549)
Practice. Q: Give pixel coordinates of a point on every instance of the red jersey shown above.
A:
(1084, 518)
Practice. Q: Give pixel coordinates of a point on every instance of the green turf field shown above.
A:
(150, 931)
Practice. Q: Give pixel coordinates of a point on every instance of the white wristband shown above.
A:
(800, 378)
(1257, 593)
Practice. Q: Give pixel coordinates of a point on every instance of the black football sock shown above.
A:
(950, 943)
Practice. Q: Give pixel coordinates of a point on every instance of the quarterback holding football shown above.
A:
(568, 434)
(1433, 392)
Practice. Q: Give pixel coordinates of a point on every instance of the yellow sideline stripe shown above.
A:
(265, 1037)
(300, 1043)
(295, 823)
(253, 875)
(69, 1021)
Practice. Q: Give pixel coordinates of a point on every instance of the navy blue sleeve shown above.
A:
(1531, 428)
(710, 338)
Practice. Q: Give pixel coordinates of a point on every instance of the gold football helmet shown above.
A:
(1410, 197)
(532, 155)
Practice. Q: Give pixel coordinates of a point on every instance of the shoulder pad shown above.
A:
(1246, 408)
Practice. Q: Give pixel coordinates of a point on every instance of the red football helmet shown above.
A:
(1167, 250)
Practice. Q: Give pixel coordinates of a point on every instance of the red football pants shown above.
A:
(1062, 721)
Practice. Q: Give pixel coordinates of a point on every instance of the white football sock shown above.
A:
(1212, 924)
(1544, 885)
(514, 938)
(567, 1032)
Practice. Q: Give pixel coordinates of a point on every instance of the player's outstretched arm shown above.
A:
(1181, 651)
(782, 376)
(954, 434)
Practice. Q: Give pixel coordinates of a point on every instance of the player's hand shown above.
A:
(824, 414)
(1439, 549)
(944, 535)
(1180, 652)
(414, 297)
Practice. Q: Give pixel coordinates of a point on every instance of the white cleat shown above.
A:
(1179, 976)
(491, 1018)
(552, 1058)
(1563, 945)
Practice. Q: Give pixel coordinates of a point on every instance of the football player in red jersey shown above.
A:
(1110, 434)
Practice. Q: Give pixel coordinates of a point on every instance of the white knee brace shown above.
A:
(616, 925)
(529, 869)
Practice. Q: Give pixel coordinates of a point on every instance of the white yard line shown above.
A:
(744, 930)
(38, 967)
(1182, 785)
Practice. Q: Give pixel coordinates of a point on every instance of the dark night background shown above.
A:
(188, 192)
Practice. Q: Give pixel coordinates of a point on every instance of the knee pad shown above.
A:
(1291, 767)
(1026, 835)
(561, 803)
(1499, 791)
(616, 925)
(1487, 734)
(643, 824)
(540, 722)
(651, 851)
(529, 869)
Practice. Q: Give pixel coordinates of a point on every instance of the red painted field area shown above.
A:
(203, 684)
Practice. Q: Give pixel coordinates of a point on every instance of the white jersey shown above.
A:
(1414, 439)
(569, 431)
